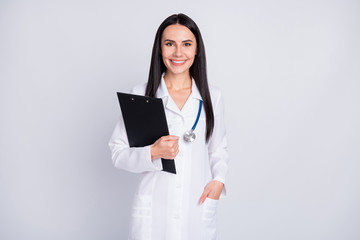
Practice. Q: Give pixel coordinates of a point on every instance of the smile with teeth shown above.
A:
(178, 62)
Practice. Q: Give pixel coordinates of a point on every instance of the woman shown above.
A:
(182, 205)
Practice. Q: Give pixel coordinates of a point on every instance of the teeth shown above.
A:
(177, 61)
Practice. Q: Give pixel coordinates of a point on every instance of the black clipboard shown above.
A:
(145, 122)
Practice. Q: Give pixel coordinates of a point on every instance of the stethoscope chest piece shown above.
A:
(189, 136)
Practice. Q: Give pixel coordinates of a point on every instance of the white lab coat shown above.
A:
(166, 205)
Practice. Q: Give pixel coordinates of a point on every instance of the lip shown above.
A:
(177, 62)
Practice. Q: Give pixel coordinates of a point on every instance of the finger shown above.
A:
(170, 138)
(175, 144)
(213, 195)
(175, 153)
(172, 144)
(176, 147)
(203, 197)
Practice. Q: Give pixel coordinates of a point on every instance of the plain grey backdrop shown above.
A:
(290, 75)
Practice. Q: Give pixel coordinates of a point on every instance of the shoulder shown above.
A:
(215, 94)
(139, 89)
(216, 100)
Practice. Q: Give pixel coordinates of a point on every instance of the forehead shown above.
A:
(177, 32)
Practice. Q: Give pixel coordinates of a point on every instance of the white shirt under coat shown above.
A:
(166, 206)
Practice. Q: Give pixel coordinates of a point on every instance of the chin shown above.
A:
(178, 70)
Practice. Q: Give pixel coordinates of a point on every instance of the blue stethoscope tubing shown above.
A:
(198, 116)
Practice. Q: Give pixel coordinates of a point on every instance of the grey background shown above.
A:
(289, 72)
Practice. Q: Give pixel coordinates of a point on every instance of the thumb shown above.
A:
(171, 138)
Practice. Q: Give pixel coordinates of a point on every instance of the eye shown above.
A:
(169, 44)
(187, 44)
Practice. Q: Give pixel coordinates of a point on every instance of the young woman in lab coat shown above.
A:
(182, 205)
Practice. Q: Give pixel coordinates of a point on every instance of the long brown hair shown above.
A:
(197, 69)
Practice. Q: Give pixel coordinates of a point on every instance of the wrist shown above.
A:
(219, 179)
(218, 182)
(153, 152)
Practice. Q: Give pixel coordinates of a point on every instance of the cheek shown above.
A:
(191, 53)
(165, 53)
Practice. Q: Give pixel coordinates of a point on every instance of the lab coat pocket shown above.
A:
(140, 228)
(209, 217)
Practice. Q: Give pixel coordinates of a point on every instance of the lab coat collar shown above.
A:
(162, 92)
(195, 91)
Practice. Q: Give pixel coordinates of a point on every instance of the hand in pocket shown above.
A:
(212, 190)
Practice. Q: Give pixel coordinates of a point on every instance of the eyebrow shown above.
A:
(169, 40)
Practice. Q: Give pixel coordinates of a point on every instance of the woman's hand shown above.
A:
(212, 190)
(165, 147)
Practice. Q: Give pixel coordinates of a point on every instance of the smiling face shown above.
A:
(178, 49)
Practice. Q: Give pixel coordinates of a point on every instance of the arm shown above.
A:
(137, 159)
(218, 155)
(131, 159)
(140, 159)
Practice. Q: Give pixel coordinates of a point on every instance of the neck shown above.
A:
(177, 81)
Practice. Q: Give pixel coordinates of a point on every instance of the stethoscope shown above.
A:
(190, 136)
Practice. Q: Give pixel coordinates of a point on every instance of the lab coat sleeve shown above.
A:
(132, 159)
(218, 153)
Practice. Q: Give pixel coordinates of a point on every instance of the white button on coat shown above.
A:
(166, 205)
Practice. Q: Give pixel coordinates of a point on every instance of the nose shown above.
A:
(178, 51)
